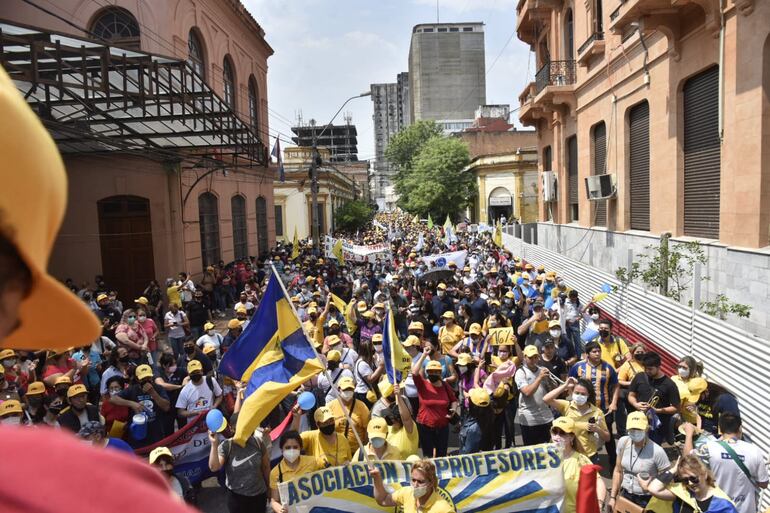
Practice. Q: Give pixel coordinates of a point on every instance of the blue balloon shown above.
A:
(215, 420)
(516, 294)
(435, 329)
(589, 334)
(306, 401)
(607, 288)
(532, 292)
(548, 302)
(520, 281)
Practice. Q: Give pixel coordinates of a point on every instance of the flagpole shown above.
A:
(391, 329)
(326, 369)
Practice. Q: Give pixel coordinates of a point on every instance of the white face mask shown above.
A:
(291, 455)
(595, 316)
(462, 368)
(558, 440)
(555, 333)
(492, 323)
(683, 373)
(419, 491)
(142, 318)
(347, 395)
(636, 435)
(10, 362)
(210, 333)
(114, 392)
(11, 421)
(579, 399)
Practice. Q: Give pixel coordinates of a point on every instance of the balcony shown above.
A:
(594, 45)
(553, 88)
(528, 112)
(557, 74)
(531, 14)
(631, 10)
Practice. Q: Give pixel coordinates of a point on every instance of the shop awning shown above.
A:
(95, 98)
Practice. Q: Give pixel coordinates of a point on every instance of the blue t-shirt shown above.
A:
(446, 363)
(119, 445)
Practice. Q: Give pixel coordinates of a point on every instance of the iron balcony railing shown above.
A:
(596, 36)
(614, 14)
(555, 73)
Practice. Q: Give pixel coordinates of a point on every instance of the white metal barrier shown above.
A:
(732, 357)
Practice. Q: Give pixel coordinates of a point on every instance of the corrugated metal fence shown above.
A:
(733, 358)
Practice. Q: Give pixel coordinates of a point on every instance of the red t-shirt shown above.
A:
(434, 402)
(151, 329)
(44, 464)
(51, 370)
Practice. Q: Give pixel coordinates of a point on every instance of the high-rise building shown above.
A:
(447, 78)
(391, 114)
(340, 140)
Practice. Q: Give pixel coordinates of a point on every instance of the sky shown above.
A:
(329, 50)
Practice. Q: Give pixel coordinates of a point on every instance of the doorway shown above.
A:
(125, 237)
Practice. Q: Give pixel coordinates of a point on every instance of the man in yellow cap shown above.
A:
(79, 411)
(336, 372)
(534, 415)
(378, 448)
(359, 412)
(11, 413)
(33, 401)
(199, 393)
(234, 330)
(163, 460)
(210, 337)
(328, 447)
(477, 421)
(148, 398)
(441, 302)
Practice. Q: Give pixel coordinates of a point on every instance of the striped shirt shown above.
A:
(603, 377)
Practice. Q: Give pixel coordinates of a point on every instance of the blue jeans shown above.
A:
(176, 344)
(433, 438)
(573, 334)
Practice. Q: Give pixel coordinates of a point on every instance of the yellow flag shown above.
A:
(338, 302)
(348, 312)
(337, 252)
(295, 249)
(416, 219)
(498, 238)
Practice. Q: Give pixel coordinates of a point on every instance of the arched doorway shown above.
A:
(262, 240)
(500, 205)
(125, 237)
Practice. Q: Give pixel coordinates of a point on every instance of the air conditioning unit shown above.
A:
(600, 187)
(549, 186)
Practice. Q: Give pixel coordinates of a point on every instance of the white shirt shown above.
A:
(215, 340)
(187, 290)
(729, 476)
(336, 376)
(194, 397)
(362, 370)
(177, 331)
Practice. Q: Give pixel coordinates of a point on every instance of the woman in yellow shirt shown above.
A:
(422, 496)
(291, 466)
(626, 373)
(402, 433)
(563, 435)
(691, 385)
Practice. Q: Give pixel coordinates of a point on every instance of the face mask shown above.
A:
(594, 316)
(683, 373)
(61, 392)
(35, 402)
(558, 440)
(142, 318)
(419, 491)
(434, 378)
(378, 348)
(114, 392)
(131, 320)
(492, 323)
(555, 333)
(377, 443)
(508, 302)
(189, 350)
(347, 395)
(11, 421)
(638, 357)
(636, 435)
(327, 430)
(579, 399)
(172, 369)
(123, 359)
(440, 293)
(210, 333)
(462, 368)
(333, 366)
(291, 455)
(604, 334)
(9, 362)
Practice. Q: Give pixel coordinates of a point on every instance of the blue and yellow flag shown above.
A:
(273, 356)
(394, 352)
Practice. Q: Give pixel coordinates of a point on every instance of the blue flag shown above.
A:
(273, 355)
(277, 154)
(393, 351)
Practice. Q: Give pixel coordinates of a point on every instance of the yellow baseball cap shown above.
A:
(531, 351)
(241, 309)
(566, 424)
(410, 341)
(377, 337)
(63, 380)
(7, 353)
(416, 325)
(386, 388)
(102, 296)
(377, 428)
(33, 200)
(361, 306)
(441, 286)
(209, 326)
(333, 339)
(464, 359)
(159, 452)
(234, 324)
(479, 397)
(474, 329)
(554, 324)
(9, 407)
(448, 315)
(76, 390)
(434, 365)
(347, 383)
(380, 306)
(367, 314)
(209, 348)
(333, 356)
(143, 371)
(323, 415)
(193, 366)
(637, 420)
(142, 300)
(35, 388)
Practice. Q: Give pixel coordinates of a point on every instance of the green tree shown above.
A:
(436, 183)
(406, 144)
(353, 215)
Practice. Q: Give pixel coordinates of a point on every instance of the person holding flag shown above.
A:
(295, 245)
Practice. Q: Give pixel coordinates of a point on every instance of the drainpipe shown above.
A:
(721, 71)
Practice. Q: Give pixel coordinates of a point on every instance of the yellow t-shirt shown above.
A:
(587, 440)
(174, 296)
(628, 370)
(360, 416)
(404, 497)
(281, 473)
(571, 469)
(689, 393)
(391, 453)
(406, 443)
(449, 337)
(615, 348)
(325, 453)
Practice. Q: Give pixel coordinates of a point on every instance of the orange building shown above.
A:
(160, 111)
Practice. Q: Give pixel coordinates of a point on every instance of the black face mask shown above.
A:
(35, 402)
(434, 378)
(61, 392)
(327, 430)
(189, 350)
(196, 378)
(604, 334)
(333, 365)
(123, 359)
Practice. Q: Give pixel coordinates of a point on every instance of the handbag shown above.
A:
(623, 505)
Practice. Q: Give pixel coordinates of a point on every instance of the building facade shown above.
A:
(391, 115)
(158, 184)
(671, 99)
(447, 74)
(340, 140)
(293, 198)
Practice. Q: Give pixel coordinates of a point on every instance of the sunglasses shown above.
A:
(693, 480)
(557, 431)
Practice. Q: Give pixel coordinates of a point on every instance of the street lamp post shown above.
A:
(314, 163)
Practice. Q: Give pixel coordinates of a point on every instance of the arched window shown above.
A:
(195, 53)
(118, 26)
(240, 240)
(569, 36)
(208, 215)
(253, 104)
(228, 78)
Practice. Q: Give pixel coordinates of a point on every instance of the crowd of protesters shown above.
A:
(469, 385)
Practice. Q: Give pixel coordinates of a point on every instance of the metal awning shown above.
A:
(95, 98)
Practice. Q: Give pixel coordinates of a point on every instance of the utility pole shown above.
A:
(315, 162)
